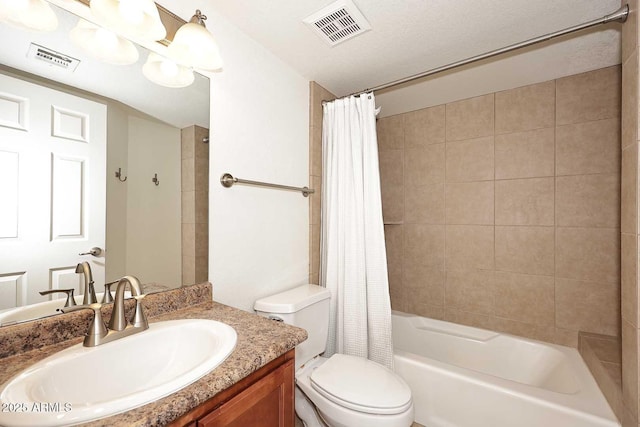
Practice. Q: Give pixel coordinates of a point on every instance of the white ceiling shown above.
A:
(411, 36)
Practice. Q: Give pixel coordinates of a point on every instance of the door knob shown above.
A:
(95, 251)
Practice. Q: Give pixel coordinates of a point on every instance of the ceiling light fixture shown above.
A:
(137, 19)
(165, 72)
(194, 46)
(103, 44)
(34, 15)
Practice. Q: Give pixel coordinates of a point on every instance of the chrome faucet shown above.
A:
(98, 332)
(89, 290)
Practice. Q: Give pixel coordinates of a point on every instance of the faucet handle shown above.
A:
(107, 297)
(97, 329)
(139, 319)
(70, 300)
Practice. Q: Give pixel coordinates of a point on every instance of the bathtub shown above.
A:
(467, 377)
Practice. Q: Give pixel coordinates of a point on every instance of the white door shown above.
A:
(52, 190)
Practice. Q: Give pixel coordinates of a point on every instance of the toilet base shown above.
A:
(306, 411)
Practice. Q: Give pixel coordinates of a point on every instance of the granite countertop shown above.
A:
(259, 341)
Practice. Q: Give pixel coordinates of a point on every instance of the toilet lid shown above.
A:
(362, 385)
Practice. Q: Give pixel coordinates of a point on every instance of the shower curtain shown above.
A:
(353, 255)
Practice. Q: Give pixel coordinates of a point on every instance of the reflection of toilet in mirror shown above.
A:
(339, 391)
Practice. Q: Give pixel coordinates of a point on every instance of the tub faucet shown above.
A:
(89, 290)
(98, 332)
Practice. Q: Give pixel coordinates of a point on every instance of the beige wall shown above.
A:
(629, 215)
(317, 94)
(195, 205)
(502, 211)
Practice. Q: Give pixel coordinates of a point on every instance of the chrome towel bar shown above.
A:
(227, 180)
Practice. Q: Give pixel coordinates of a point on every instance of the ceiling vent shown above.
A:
(338, 22)
(51, 57)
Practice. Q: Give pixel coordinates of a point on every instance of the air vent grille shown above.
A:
(338, 22)
(51, 57)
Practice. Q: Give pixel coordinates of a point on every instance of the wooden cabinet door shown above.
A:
(267, 403)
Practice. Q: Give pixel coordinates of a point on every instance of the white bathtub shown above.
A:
(467, 377)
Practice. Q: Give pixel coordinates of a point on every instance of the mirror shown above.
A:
(142, 199)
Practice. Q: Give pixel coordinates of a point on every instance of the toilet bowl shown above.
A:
(341, 390)
(343, 397)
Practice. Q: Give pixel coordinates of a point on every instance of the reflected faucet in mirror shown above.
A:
(70, 299)
(89, 290)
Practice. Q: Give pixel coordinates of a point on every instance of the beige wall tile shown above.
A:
(424, 245)
(470, 118)
(588, 201)
(187, 136)
(470, 160)
(188, 207)
(630, 30)
(201, 149)
(424, 204)
(469, 247)
(629, 277)
(314, 252)
(566, 337)
(424, 166)
(189, 240)
(391, 184)
(187, 172)
(201, 207)
(424, 127)
(524, 329)
(395, 254)
(423, 285)
(471, 319)
(590, 147)
(420, 308)
(202, 239)
(630, 368)
(188, 270)
(317, 94)
(390, 133)
(588, 254)
(525, 298)
(470, 203)
(315, 204)
(526, 250)
(201, 178)
(629, 114)
(315, 151)
(606, 347)
(470, 290)
(629, 190)
(588, 306)
(525, 201)
(525, 154)
(202, 269)
(629, 419)
(588, 96)
(525, 108)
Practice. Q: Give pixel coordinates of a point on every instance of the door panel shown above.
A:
(53, 155)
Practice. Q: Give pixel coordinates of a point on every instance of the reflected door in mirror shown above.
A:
(52, 191)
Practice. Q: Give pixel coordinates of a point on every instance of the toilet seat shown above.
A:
(361, 385)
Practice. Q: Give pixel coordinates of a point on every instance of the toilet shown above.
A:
(342, 390)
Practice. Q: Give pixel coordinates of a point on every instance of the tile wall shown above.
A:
(629, 217)
(503, 211)
(317, 94)
(195, 205)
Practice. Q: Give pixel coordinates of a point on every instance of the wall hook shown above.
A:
(155, 179)
(119, 175)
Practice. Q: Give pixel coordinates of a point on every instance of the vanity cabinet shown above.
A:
(263, 399)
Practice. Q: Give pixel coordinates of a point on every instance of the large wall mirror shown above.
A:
(94, 155)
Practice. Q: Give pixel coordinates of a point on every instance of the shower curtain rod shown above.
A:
(620, 15)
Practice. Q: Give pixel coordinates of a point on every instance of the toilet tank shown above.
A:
(306, 307)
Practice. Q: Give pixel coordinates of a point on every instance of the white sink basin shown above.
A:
(80, 384)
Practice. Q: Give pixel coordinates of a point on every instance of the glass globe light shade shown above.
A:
(165, 72)
(103, 44)
(194, 46)
(36, 15)
(131, 18)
